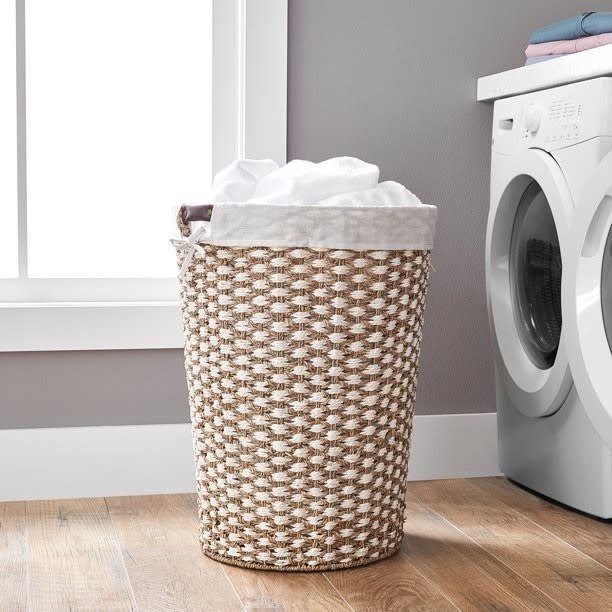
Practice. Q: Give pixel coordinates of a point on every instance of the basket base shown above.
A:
(324, 567)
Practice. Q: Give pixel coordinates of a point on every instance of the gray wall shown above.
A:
(393, 82)
(58, 389)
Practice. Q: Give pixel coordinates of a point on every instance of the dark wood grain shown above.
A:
(480, 544)
(13, 561)
(74, 560)
(392, 584)
(465, 572)
(158, 535)
(564, 573)
(265, 591)
(590, 535)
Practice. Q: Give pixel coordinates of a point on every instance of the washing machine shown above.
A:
(549, 291)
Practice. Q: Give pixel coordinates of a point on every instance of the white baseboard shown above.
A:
(454, 446)
(55, 463)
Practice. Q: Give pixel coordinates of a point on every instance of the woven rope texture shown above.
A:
(301, 366)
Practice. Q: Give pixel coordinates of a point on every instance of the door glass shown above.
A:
(535, 275)
(606, 288)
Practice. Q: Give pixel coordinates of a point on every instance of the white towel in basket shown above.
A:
(340, 181)
(238, 181)
(388, 193)
(304, 182)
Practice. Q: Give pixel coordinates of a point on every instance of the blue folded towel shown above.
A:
(586, 24)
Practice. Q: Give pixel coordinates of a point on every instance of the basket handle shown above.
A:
(192, 212)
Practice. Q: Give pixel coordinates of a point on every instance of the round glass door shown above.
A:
(535, 277)
(606, 288)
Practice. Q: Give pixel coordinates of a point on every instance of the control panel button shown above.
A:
(533, 119)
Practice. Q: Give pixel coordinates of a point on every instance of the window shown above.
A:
(8, 143)
(117, 111)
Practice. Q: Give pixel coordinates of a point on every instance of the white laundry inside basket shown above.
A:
(304, 182)
(337, 203)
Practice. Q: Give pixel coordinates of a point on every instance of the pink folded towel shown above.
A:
(561, 47)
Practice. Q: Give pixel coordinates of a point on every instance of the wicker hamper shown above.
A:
(301, 366)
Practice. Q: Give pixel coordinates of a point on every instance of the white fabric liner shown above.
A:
(314, 225)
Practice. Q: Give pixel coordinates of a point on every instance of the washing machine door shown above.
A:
(587, 299)
(527, 235)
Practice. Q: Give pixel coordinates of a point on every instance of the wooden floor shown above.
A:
(480, 544)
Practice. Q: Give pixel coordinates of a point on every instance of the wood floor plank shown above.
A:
(266, 591)
(468, 576)
(571, 578)
(591, 536)
(74, 560)
(159, 540)
(392, 584)
(481, 544)
(13, 566)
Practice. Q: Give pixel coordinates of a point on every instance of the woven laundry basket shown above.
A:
(301, 366)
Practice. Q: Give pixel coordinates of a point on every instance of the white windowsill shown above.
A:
(86, 326)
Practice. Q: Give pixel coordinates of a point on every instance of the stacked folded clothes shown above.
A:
(579, 33)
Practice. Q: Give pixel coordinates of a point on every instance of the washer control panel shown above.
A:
(554, 118)
(554, 121)
(565, 117)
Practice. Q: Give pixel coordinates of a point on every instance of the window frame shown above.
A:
(249, 67)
